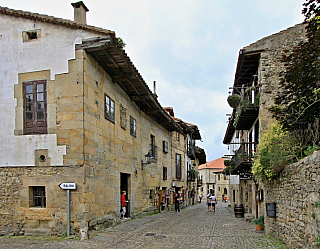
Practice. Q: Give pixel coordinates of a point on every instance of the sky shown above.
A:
(189, 47)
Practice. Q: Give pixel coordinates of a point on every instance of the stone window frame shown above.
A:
(109, 108)
(31, 35)
(50, 101)
(38, 197)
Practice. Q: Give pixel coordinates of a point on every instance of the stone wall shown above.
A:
(297, 221)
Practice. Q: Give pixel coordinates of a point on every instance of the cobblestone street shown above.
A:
(194, 227)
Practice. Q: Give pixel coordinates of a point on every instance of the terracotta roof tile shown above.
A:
(215, 164)
(54, 20)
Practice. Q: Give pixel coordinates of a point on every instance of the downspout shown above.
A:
(83, 120)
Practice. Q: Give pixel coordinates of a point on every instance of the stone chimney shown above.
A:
(80, 12)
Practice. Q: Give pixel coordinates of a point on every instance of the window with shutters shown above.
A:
(35, 107)
(178, 166)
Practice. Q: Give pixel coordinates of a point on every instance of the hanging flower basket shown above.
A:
(234, 100)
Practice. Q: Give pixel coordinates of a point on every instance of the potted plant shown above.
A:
(259, 222)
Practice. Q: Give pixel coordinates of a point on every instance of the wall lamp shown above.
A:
(147, 160)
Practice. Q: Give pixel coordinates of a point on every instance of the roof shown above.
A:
(186, 127)
(215, 164)
(54, 20)
(113, 59)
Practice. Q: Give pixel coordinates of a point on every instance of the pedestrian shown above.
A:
(213, 202)
(177, 202)
(123, 204)
(209, 202)
(200, 197)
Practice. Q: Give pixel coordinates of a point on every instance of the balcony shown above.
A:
(248, 109)
(244, 156)
(191, 176)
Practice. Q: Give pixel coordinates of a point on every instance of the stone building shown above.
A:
(76, 110)
(256, 82)
(213, 180)
(187, 185)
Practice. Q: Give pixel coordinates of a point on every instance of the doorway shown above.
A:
(124, 186)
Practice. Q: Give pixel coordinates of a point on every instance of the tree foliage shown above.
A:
(298, 101)
(274, 152)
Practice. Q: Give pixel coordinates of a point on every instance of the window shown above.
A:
(35, 107)
(31, 35)
(133, 126)
(218, 177)
(109, 108)
(178, 166)
(152, 146)
(165, 173)
(38, 196)
(165, 147)
(178, 136)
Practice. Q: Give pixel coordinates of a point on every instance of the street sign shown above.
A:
(68, 185)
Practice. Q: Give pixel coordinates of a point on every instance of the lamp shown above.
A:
(147, 158)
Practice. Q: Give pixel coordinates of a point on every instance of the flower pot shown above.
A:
(259, 228)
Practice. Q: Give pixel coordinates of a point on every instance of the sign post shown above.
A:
(67, 186)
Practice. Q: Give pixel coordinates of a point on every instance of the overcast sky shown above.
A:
(189, 47)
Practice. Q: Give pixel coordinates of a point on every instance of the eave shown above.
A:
(117, 64)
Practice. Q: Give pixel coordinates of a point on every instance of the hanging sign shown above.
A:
(245, 176)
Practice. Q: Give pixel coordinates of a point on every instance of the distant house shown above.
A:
(255, 85)
(75, 110)
(213, 180)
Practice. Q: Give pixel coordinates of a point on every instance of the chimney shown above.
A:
(80, 12)
(154, 90)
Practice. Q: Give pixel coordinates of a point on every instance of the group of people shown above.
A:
(211, 202)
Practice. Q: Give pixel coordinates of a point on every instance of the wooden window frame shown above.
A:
(165, 147)
(165, 173)
(133, 126)
(152, 145)
(109, 110)
(34, 106)
(178, 166)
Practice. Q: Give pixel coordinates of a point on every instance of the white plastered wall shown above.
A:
(49, 52)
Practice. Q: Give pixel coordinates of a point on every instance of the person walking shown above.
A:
(200, 197)
(209, 202)
(123, 204)
(177, 202)
(213, 203)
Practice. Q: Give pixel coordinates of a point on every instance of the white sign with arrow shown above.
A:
(68, 185)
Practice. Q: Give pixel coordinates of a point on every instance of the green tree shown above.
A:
(298, 101)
